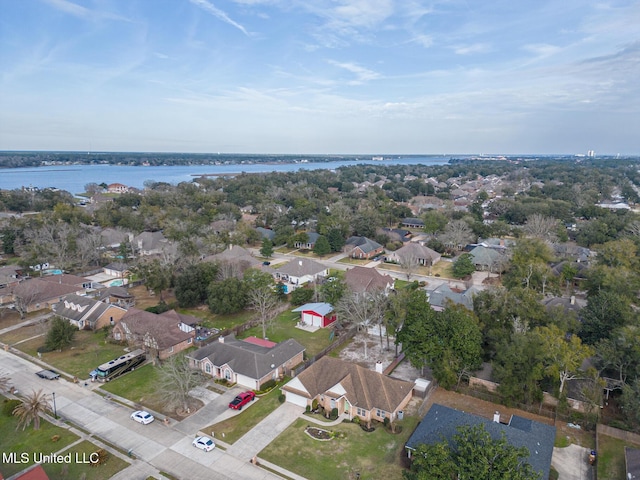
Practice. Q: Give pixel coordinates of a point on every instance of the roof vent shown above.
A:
(496, 417)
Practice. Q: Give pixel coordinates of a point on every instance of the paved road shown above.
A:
(164, 448)
(572, 463)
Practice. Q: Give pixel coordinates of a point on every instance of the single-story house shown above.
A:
(163, 335)
(266, 233)
(316, 314)
(362, 279)
(312, 238)
(414, 251)
(86, 313)
(119, 296)
(413, 223)
(10, 275)
(112, 238)
(151, 243)
(235, 258)
(247, 363)
(396, 234)
(352, 389)
(297, 272)
(71, 280)
(443, 294)
(117, 270)
(36, 294)
(488, 259)
(362, 247)
(441, 423)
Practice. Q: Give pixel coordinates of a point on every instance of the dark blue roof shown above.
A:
(441, 423)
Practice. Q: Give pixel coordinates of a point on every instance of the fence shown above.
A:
(344, 337)
(617, 433)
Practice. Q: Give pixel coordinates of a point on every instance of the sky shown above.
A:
(321, 76)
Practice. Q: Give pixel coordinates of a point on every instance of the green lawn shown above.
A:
(610, 463)
(221, 322)
(138, 386)
(81, 453)
(284, 327)
(374, 455)
(353, 261)
(231, 429)
(87, 351)
(29, 441)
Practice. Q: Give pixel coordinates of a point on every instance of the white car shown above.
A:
(142, 417)
(204, 443)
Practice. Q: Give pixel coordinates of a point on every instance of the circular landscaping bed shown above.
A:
(318, 433)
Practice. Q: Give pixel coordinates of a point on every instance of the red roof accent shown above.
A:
(34, 473)
(261, 342)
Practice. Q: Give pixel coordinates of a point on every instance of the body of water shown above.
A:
(73, 178)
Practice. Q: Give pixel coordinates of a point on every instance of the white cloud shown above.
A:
(216, 12)
(362, 74)
(471, 49)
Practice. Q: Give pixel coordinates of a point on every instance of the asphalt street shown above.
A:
(164, 448)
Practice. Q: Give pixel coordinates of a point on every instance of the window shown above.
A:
(207, 367)
(381, 413)
(190, 341)
(227, 374)
(361, 412)
(171, 349)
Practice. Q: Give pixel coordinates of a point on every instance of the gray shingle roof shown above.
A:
(301, 267)
(441, 422)
(253, 361)
(76, 307)
(366, 245)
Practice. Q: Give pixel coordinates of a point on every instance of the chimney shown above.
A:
(573, 299)
(379, 368)
(496, 417)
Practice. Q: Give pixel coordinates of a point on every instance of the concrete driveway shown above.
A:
(572, 463)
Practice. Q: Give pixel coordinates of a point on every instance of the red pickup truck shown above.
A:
(241, 400)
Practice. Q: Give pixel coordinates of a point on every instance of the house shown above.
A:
(632, 463)
(247, 363)
(413, 223)
(298, 272)
(443, 295)
(163, 335)
(266, 233)
(354, 390)
(36, 294)
(235, 258)
(316, 314)
(362, 247)
(71, 280)
(112, 238)
(119, 296)
(150, 243)
(414, 252)
(488, 259)
(86, 313)
(312, 238)
(117, 188)
(10, 275)
(441, 423)
(117, 270)
(362, 279)
(396, 234)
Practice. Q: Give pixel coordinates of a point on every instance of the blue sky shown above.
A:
(321, 76)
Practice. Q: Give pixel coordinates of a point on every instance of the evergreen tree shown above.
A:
(322, 246)
(266, 250)
(60, 334)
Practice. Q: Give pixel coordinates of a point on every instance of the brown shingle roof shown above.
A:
(364, 388)
(362, 279)
(163, 328)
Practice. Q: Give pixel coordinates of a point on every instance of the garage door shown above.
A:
(296, 399)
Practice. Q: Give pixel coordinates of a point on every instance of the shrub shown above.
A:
(334, 414)
(386, 421)
(300, 296)
(314, 404)
(356, 420)
(55, 438)
(281, 398)
(308, 409)
(268, 385)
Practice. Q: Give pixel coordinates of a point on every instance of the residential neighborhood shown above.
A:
(367, 317)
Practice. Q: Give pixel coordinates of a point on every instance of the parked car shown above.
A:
(48, 374)
(241, 400)
(142, 417)
(204, 443)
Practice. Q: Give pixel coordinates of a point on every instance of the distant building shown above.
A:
(117, 188)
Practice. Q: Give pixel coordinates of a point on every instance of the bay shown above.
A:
(73, 178)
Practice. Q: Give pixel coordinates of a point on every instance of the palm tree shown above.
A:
(4, 383)
(30, 409)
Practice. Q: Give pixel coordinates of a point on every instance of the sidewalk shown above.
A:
(26, 323)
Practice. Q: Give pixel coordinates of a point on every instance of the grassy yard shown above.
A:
(29, 441)
(89, 350)
(82, 452)
(353, 261)
(231, 429)
(138, 386)
(374, 455)
(221, 322)
(284, 327)
(610, 463)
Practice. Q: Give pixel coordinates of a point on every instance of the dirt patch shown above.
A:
(354, 352)
(144, 298)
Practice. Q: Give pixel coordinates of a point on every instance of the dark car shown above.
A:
(241, 400)
(48, 374)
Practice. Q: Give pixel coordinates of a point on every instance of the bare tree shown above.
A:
(409, 264)
(30, 410)
(24, 294)
(175, 380)
(88, 249)
(263, 300)
(541, 226)
(362, 309)
(457, 233)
